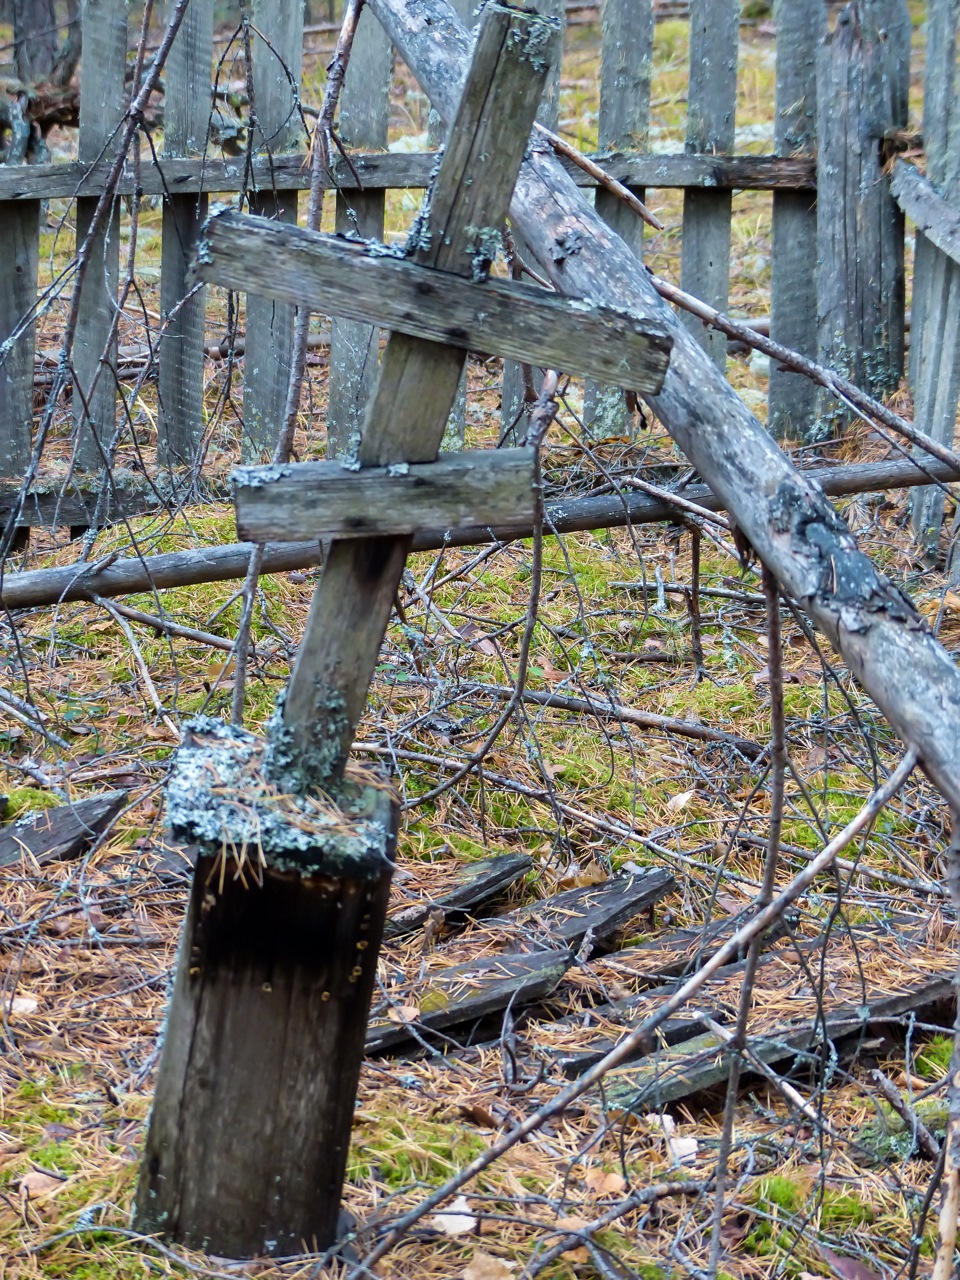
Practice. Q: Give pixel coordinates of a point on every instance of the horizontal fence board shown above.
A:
(343, 277)
(385, 171)
(321, 499)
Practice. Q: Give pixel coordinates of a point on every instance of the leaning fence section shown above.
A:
(850, 311)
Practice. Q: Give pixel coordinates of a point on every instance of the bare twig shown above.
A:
(922, 1135)
(147, 679)
(600, 174)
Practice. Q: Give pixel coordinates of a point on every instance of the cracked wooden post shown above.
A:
(248, 1140)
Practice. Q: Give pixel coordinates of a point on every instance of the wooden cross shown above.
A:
(250, 1128)
(438, 303)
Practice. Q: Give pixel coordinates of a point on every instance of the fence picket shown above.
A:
(711, 121)
(935, 320)
(355, 347)
(19, 253)
(269, 325)
(185, 124)
(101, 108)
(514, 393)
(625, 69)
(792, 403)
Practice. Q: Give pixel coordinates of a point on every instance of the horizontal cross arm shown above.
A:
(324, 499)
(360, 281)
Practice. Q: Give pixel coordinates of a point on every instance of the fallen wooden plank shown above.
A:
(379, 171)
(475, 884)
(445, 998)
(694, 1065)
(60, 833)
(600, 910)
(325, 499)
(366, 282)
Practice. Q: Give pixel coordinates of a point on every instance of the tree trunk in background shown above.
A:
(34, 39)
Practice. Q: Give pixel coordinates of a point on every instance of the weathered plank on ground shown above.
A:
(689, 1067)
(325, 499)
(711, 112)
(277, 40)
(475, 884)
(453, 996)
(600, 910)
(363, 120)
(877, 631)
(37, 587)
(379, 171)
(185, 121)
(364, 283)
(626, 66)
(932, 215)
(56, 834)
(792, 399)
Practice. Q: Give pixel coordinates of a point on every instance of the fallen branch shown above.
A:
(115, 577)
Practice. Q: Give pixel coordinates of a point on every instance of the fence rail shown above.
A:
(186, 174)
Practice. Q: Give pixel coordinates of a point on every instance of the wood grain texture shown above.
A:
(383, 171)
(626, 66)
(514, 404)
(711, 112)
(186, 116)
(270, 325)
(792, 399)
(60, 833)
(785, 517)
(860, 280)
(363, 120)
(37, 587)
(250, 1129)
(417, 385)
(102, 99)
(347, 278)
(324, 499)
(19, 261)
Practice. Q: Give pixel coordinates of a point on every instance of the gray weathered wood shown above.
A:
(463, 993)
(248, 1138)
(792, 399)
(60, 833)
(711, 120)
(38, 587)
(626, 66)
(363, 120)
(417, 385)
(352, 279)
(269, 325)
(931, 204)
(860, 280)
(101, 107)
(19, 260)
(475, 883)
(326, 499)
(385, 171)
(185, 121)
(787, 520)
(514, 392)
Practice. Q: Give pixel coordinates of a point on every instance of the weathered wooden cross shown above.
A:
(248, 1139)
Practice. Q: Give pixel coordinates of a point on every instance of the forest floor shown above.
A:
(87, 946)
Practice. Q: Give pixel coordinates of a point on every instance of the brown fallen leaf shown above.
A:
(456, 1219)
(847, 1268)
(403, 1012)
(477, 1114)
(550, 673)
(486, 1267)
(604, 1184)
(37, 1183)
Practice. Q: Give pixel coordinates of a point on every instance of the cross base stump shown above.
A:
(249, 1134)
